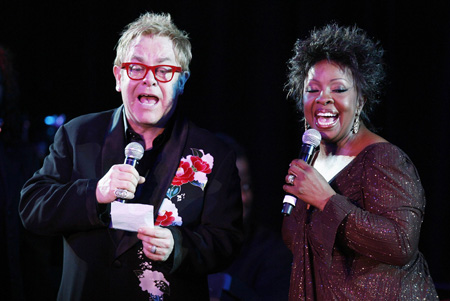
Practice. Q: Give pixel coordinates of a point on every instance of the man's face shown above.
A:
(149, 103)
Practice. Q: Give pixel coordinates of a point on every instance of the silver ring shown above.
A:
(153, 249)
(291, 179)
(121, 193)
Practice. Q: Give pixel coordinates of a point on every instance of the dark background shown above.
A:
(64, 56)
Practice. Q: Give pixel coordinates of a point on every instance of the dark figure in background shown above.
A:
(187, 174)
(31, 264)
(355, 229)
(262, 269)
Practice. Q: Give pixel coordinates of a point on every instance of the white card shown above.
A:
(130, 216)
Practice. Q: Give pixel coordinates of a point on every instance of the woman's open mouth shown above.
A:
(326, 119)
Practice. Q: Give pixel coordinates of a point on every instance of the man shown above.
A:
(186, 173)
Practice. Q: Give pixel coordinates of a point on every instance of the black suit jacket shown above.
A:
(107, 264)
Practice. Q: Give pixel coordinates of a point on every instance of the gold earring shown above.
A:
(307, 126)
(356, 124)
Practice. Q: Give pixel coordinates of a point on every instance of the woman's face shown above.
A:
(330, 101)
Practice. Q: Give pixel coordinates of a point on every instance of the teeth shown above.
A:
(147, 96)
(148, 99)
(326, 114)
(326, 119)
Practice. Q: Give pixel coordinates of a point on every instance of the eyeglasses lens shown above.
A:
(162, 73)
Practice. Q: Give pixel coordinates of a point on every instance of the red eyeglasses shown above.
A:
(162, 73)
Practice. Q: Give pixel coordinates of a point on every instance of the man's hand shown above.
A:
(119, 176)
(157, 242)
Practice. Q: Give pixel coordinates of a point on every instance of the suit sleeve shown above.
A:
(54, 201)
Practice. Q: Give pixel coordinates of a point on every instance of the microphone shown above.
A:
(134, 152)
(311, 140)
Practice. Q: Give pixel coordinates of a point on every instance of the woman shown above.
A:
(354, 234)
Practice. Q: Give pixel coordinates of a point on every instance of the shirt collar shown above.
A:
(132, 136)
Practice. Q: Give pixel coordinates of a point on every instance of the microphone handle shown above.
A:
(130, 161)
(306, 154)
(289, 202)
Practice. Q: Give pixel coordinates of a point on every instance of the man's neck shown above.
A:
(149, 135)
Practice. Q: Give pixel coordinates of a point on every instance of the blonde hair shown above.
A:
(160, 25)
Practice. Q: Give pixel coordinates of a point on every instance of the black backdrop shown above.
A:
(63, 54)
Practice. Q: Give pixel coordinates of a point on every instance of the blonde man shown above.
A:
(187, 174)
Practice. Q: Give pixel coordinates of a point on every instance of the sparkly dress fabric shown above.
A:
(364, 244)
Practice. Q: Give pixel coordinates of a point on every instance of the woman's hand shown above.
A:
(157, 242)
(307, 184)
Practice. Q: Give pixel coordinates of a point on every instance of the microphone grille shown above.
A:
(134, 150)
(312, 137)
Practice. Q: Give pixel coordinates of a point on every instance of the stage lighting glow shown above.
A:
(55, 120)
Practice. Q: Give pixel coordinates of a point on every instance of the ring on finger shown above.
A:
(291, 179)
(121, 193)
(153, 249)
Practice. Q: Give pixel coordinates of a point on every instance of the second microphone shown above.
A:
(311, 140)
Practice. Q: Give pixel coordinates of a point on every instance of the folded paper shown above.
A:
(131, 217)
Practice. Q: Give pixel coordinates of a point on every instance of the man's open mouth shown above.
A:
(148, 99)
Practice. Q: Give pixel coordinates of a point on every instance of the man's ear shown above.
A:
(182, 81)
(117, 75)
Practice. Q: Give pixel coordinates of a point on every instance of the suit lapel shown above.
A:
(113, 153)
(114, 145)
(159, 178)
(166, 165)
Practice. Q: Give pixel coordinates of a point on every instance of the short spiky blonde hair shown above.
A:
(160, 25)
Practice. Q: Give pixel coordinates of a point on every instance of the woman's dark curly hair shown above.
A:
(350, 48)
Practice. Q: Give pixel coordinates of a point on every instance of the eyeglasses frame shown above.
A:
(126, 66)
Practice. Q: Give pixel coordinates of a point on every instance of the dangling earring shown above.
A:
(307, 126)
(356, 123)
(355, 127)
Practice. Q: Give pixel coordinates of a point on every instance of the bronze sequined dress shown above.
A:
(364, 244)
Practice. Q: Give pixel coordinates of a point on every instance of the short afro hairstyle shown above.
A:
(350, 48)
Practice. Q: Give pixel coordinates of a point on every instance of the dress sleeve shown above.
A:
(52, 202)
(293, 225)
(385, 223)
